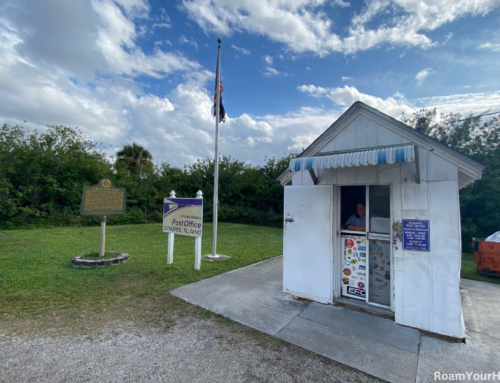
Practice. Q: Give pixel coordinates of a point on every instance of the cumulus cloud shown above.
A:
(303, 25)
(345, 78)
(423, 74)
(396, 104)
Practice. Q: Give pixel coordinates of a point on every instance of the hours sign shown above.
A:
(416, 235)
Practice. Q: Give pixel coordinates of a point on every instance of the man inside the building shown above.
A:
(357, 221)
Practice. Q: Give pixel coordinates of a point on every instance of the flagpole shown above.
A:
(216, 163)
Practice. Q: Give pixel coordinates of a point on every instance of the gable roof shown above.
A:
(466, 164)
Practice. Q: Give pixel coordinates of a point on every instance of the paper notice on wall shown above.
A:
(354, 266)
(380, 225)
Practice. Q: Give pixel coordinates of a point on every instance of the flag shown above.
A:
(222, 112)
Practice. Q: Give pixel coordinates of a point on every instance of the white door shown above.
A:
(307, 247)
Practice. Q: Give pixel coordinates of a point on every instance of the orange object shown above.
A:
(487, 257)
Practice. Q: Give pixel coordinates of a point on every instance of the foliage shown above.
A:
(136, 159)
(480, 139)
(42, 178)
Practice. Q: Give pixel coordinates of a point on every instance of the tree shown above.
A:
(42, 174)
(136, 159)
(478, 138)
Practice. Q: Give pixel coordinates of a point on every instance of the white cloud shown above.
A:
(271, 72)
(423, 74)
(490, 46)
(396, 104)
(341, 3)
(345, 78)
(161, 25)
(188, 40)
(302, 25)
(241, 50)
(447, 37)
(308, 68)
(268, 60)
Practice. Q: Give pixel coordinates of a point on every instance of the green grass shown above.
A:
(37, 280)
(36, 276)
(469, 270)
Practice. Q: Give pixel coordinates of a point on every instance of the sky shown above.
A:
(143, 71)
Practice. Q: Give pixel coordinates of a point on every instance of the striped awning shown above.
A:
(396, 154)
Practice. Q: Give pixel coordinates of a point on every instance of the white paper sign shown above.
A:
(380, 225)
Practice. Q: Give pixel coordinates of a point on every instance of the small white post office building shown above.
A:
(373, 214)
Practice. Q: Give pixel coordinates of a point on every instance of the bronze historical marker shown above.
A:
(103, 199)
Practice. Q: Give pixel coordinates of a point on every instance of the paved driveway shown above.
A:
(253, 296)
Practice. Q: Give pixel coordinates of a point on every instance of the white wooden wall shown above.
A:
(425, 284)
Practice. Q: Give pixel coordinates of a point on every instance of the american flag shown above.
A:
(222, 112)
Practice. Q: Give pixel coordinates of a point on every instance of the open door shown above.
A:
(308, 241)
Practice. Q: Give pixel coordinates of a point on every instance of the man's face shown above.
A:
(361, 210)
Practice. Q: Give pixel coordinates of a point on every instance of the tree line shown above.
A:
(42, 177)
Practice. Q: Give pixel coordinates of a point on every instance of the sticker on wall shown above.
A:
(354, 261)
(362, 267)
(349, 243)
(345, 280)
(356, 292)
(382, 268)
(382, 261)
(347, 271)
(373, 266)
(387, 276)
(347, 263)
(362, 255)
(361, 285)
(362, 248)
(378, 280)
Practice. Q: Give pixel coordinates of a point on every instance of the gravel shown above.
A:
(193, 350)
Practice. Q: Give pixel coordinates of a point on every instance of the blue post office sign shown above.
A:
(416, 235)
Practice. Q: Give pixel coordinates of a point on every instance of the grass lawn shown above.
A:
(469, 270)
(36, 279)
(37, 282)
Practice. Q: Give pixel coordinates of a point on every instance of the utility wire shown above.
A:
(470, 118)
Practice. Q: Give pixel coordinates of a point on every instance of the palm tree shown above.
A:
(135, 158)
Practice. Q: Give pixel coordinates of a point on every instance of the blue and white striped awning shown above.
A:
(397, 154)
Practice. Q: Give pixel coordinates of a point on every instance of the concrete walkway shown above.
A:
(253, 296)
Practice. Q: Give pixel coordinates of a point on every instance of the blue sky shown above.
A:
(143, 71)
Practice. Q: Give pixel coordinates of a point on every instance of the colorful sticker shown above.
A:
(361, 285)
(347, 271)
(349, 243)
(373, 265)
(354, 261)
(362, 267)
(345, 280)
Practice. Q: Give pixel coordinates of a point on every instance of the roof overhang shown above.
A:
(470, 169)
